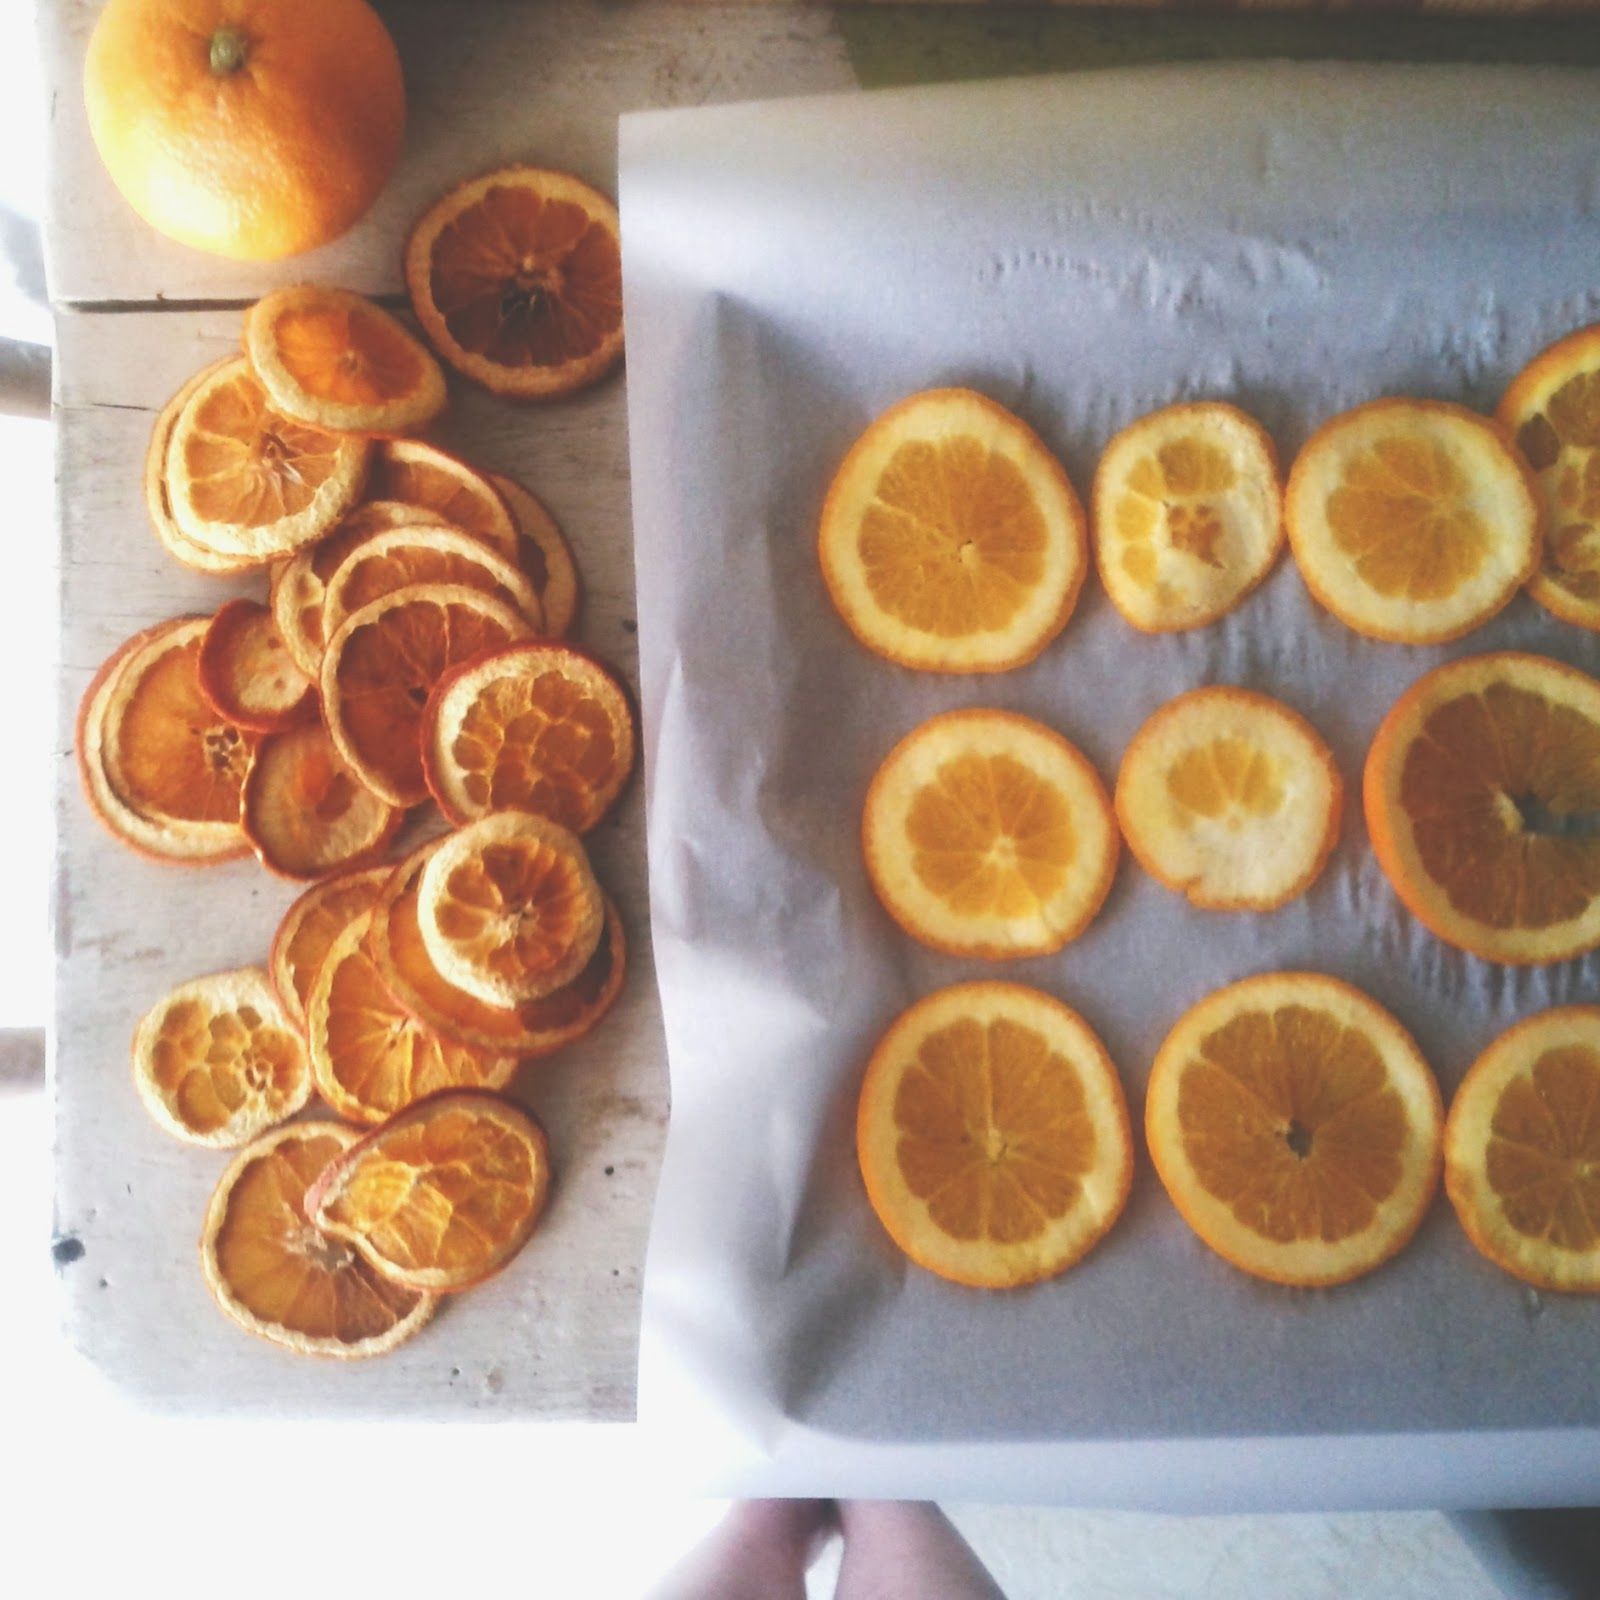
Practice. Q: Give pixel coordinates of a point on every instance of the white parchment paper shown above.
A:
(1084, 249)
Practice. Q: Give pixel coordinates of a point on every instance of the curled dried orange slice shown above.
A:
(1413, 520)
(1522, 1150)
(217, 1062)
(1481, 790)
(534, 727)
(328, 357)
(308, 930)
(277, 1276)
(304, 811)
(247, 673)
(244, 480)
(380, 667)
(516, 278)
(993, 1135)
(424, 475)
(1231, 798)
(369, 1057)
(951, 538)
(443, 1195)
(160, 768)
(543, 554)
(1296, 1127)
(986, 834)
(509, 908)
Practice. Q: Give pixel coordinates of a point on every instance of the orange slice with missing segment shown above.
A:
(308, 929)
(424, 475)
(544, 555)
(247, 673)
(951, 538)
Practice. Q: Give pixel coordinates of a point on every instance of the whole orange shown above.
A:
(250, 128)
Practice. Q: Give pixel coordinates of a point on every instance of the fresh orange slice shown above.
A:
(244, 480)
(993, 1135)
(987, 834)
(276, 1276)
(1522, 1150)
(380, 667)
(308, 930)
(534, 727)
(1482, 787)
(247, 673)
(1553, 411)
(1230, 798)
(424, 475)
(330, 358)
(1413, 520)
(304, 811)
(369, 1058)
(951, 538)
(1188, 515)
(509, 908)
(442, 1196)
(160, 768)
(516, 278)
(1296, 1127)
(217, 1062)
(544, 556)
(534, 1028)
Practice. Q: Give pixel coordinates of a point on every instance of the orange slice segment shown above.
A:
(276, 1276)
(380, 667)
(330, 358)
(441, 1197)
(1552, 408)
(1522, 1150)
(244, 480)
(369, 1058)
(516, 278)
(1230, 798)
(247, 673)
(1413, 520)
(424, 475)
(308, 930)
(534, 727)
(1188, 515)
(304, 811)
(986, 834)
(993, 1135)
(217, 1062)
(1482, 790)
(951, 538)
(544, 555)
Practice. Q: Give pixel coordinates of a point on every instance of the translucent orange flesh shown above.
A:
(1172, 492)
(261, 676)
(454, 498)
(310, 809)
(372, 576)
(1562, 445)
(994, 1130)
(210, 1065)
(346, 355)
(1226, 778)
(333, 910)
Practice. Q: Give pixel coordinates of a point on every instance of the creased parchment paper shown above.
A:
(1084, 249)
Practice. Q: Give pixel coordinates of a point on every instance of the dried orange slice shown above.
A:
(247, 673)
(244, 480)
(380, 667)
(1188, 515)
(328, 357)
(516, 278)
(951, 538)
(1481, 790)
(509, 908)
(424, 475)
(308, 930)
(544, 556)
(1296, 1127)
(442, 1196)
(987, 834)
(217, 1062)
(1413, 520)
(304, 811)
(1230, 798)
(534, 727)
(534, 1028)
(1552, 408)
(993, 1135)
(276, 1276)
(160, 768)
(369, 1058)
(1522, 1150)
(424, 554)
